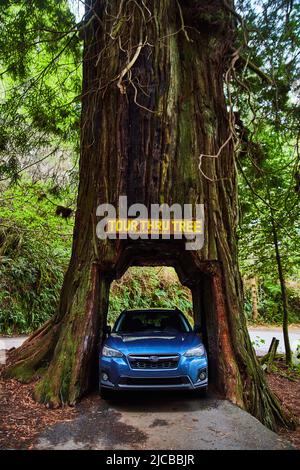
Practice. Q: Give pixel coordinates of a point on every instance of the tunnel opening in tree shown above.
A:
(204, 281)
(149, 287)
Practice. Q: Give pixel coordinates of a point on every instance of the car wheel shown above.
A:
(105, 393)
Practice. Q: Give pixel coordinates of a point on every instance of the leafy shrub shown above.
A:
(34, 253)
(30, 280)
(270, 304)
(149, 287)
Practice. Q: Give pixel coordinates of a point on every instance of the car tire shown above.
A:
(105, 393)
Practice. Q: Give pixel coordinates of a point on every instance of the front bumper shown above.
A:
(122, 377)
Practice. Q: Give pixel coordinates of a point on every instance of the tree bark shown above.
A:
(152, 103)
(253, 285)
(285, 321)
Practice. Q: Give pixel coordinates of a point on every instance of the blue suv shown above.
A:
(152, 349)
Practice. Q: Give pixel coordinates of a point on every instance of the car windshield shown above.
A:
(151, 321)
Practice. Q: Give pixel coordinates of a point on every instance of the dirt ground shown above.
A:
(22, 420)
(288, 390)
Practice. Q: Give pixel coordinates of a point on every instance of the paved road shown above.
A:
(160, 421)
(7, 343)
(11, 342)
(266, 334)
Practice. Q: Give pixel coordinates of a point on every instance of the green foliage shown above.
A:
(270, 197)
(270, 38)
(40, 81)
(257, 342)
(146, 288)
(290, 372)
(267, 124)
(270, 206)
(35, 247)
(269, 302)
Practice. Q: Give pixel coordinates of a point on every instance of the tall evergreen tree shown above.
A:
(155, 126)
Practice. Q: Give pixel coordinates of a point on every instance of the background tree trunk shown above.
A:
(285, 320)
(254, 298)
(152, 102)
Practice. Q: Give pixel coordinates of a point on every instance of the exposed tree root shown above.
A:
(31, 359)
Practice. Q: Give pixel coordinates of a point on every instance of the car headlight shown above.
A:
(195, 352)
(110, 352)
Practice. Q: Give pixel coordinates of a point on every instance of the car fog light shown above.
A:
(104, 376)
(202, 375)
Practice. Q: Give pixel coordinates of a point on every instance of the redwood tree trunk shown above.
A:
(153, 102)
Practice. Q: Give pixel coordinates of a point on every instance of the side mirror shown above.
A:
(107, 330)
(197, 328)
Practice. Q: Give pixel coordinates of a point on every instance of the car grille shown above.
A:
(154, 381)
(153, 361)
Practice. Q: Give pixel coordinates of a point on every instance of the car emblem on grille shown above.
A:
(153, 358)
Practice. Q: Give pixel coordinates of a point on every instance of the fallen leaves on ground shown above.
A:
(288, 391)
(21, 418)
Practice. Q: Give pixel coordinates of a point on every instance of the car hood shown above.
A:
(153, 342)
